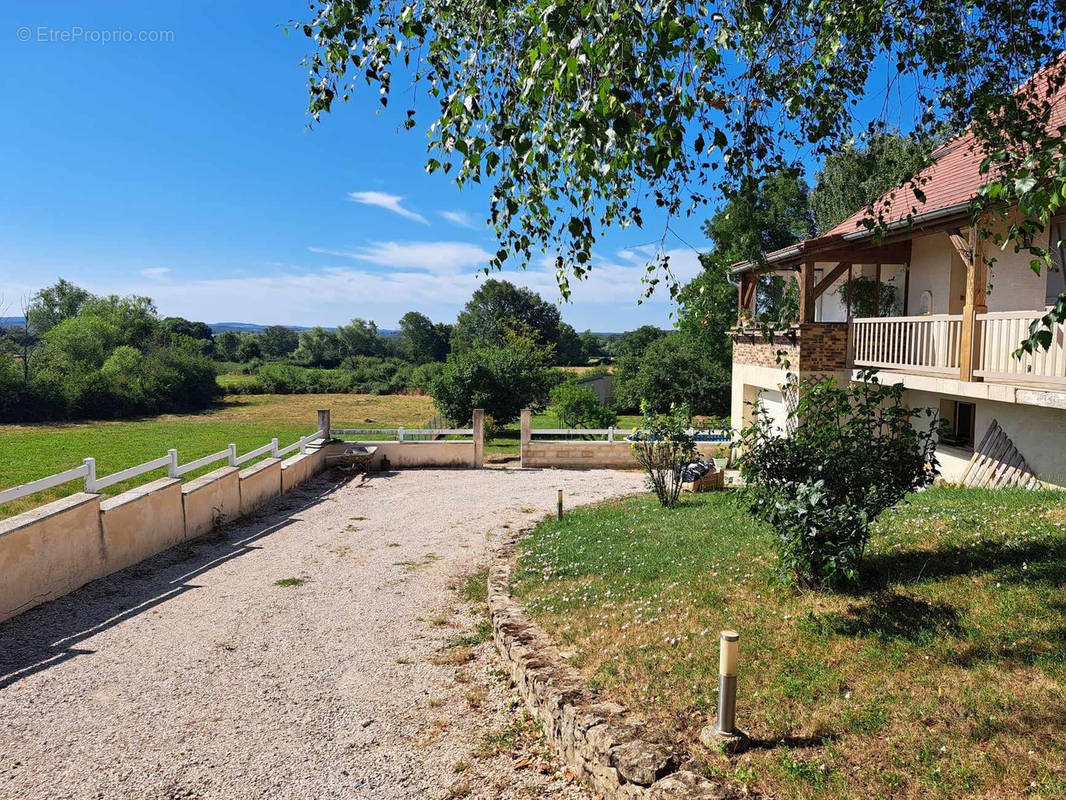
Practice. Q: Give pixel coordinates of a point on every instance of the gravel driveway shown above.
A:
(197, 675)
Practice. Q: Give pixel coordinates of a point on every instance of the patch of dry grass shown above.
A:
(945, 678)
(32, 451)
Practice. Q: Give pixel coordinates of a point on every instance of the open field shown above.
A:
(946, 678)
(28, 452)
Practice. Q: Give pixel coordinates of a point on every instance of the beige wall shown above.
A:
(1039, 433)
(300, 468)
(141, 522)
(49, 551)
(937, 267)
(52, 550)
(591, 454)
(444, 453)
(259, 484)
(211, 500)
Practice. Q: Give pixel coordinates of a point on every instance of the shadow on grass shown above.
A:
(786, 742)
(49, 634)
(892, 616)
(1040, 560)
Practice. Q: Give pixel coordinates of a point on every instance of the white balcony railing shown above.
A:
(928, 344)
(1001, 332)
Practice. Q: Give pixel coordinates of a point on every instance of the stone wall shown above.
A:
(603, 742)
(50, 551)
(823, 347)
(591, 454)
(440, 453)
(810, 347)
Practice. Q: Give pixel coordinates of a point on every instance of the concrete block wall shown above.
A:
(52, 550)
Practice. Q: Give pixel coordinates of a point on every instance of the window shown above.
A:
(961, 418)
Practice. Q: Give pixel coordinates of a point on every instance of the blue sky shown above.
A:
(185, 170)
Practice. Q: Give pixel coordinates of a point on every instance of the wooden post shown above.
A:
(806, 286)
(877, 291)
(323, 423)
(525, 434)
(906, 289)
(972, 251)
(479, 437)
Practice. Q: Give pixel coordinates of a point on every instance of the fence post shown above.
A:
(172, 467)
(525, 435)
(323, 423)
(232, 455)
(274, 447)
(399, 434)
(479, 437)
(90, 475)
(610, 434)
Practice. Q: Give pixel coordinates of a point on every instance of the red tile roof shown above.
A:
(953, 178)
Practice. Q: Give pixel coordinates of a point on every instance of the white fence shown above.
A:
(87, 470)
(400, 434)
(922, 344)
(1000, 334)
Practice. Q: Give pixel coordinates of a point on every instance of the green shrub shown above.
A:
(579, 407)
(662, 448)
(854, 451)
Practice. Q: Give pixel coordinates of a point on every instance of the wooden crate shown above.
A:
(710, 481)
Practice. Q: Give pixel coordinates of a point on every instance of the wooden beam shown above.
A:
(877, 290)
(972, 251)
(831, 278)
(806, 287)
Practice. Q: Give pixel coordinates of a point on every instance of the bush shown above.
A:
(663, 447)
(501, 380)
(579, 407)
(854, 451)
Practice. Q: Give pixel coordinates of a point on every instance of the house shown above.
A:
(932, 306)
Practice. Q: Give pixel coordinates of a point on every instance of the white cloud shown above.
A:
(460, 218)
(443, 256)
(155, 272)
(390, 202)
(436, 278)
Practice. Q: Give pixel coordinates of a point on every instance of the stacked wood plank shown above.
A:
(996, 463)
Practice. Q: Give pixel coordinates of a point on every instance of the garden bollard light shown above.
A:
(727, 683)
(559, 504)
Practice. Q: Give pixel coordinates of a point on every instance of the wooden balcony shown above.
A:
(934, 344)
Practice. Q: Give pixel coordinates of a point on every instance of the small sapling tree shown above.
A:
(663, 446)
(854, 451)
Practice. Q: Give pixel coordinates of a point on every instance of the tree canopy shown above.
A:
(498, 310)
(584, 115)
(856, 175)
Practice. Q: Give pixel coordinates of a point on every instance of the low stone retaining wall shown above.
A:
(50, 551)
(602, 742)
(590, 454)
(440, 453)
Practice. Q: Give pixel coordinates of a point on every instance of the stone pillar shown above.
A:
(323, 423)
(479, 437)
(525, 435)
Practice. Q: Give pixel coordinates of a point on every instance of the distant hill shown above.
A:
(12, 322)
(252, 327)
(248, 327)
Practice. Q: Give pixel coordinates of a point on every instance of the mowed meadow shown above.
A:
(32, 451)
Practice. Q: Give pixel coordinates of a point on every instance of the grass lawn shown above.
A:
(28, 452)
(946, 678)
